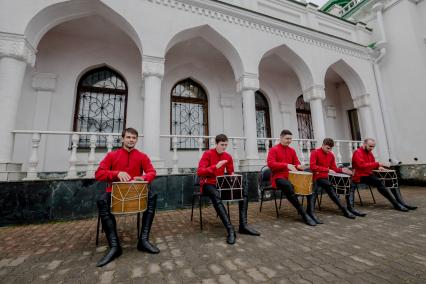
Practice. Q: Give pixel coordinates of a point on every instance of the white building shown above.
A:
(199, 68)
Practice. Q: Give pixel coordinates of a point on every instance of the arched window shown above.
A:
(101, 105)
(263, 125)
(304, 119)
(188, 113)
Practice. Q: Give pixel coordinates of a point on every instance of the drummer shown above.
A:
(125, 164)
(363, 163)
(282, 159)
(323, 163)
(213, 163)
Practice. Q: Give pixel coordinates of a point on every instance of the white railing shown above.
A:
(343, 150)
(235, 144)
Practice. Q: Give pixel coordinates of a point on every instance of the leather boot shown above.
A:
(244, 228)
(292, 198)
(147, 219)
(350, 203)
(221, 211)
(110, 228)
(310, 207)
(387, 194)
(397, 194)
(333, 196)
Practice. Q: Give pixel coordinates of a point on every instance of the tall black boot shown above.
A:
(387, 194)
(244, 228)
(397, 194)
(147, 219)
(350, 203)
(110, 228)
(333, 196)
(292, 198)
(310, 207)
(221, 211)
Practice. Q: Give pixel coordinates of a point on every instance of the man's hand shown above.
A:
(382, 169)
(330, 171)
(301, 167)
(221, 163)
(123, 176)
(347, 171)
(139, 178)
(384, 165)
(291, 168)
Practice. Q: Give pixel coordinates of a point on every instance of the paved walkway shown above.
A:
(385, 247)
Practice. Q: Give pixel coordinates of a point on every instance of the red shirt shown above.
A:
(363, 163)
(207, 166)
(279, 157)
(321, 162)
(135, 163)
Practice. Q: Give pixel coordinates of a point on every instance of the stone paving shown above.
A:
(385, 247)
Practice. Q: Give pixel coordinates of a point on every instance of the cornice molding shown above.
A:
(152, 66)
(261, 23)
(313, 93)
(248, 81)
(17, 46)
(362, 101)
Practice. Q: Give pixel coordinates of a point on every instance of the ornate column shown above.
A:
(362, 104)
(314, 95)
(247, 85)
(153, 72)
(15, 54)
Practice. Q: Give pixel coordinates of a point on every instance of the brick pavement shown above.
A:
(385, 247)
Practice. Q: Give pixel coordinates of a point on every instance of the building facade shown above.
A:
(74, 73)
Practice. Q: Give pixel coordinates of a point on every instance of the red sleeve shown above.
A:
(104, 172)
(313, 164)
(333, 165)
(359, 161)
(272, 161)
(296, 161)
(230, 165)
(204, 167)
(148, 169)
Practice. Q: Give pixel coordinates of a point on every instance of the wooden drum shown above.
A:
(341, 182)
(388, 177)
(302, 182)
(129, 197)
(230, 187)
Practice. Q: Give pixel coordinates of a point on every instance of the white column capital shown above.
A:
(226, 102)
(44, 82)
(17, 46)
(248, 81)
(152, 66)
(313, 93)
(378, 6)
(362, 101)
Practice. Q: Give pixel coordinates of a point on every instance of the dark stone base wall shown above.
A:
(412, 174)
(25, 202)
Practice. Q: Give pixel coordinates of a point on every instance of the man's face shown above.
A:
(369, 146)
(129, 140)
(326, 148)
(221, 146)
(286, 139)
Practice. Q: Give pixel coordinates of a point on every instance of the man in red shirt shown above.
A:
(213, 163)
(363, 163)
(125, 164)
(322, 163)
(282, 159)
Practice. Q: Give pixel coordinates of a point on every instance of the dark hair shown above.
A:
(328, 142)
(129, 130)
(221, 138)
(285, 132)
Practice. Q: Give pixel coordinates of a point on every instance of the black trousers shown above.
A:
(212, 192)
(285, 186)
(373, 181)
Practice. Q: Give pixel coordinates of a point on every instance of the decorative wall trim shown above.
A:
(265, 24)
(362, 101)
(313, 93)
(248, 81)
(152, 66)
(17, 46)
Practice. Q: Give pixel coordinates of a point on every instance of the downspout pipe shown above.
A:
(381, 47)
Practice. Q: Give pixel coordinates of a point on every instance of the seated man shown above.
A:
(322, 163)
(125, 164)
(363, 163)
(282, 159)
(213, 163)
